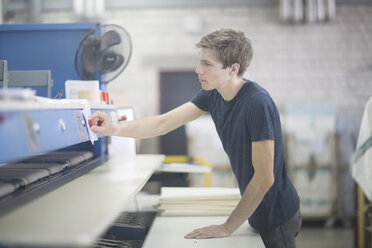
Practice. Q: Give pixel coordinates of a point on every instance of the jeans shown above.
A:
(283, 236)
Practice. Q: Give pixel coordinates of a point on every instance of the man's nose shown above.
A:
(198, 69)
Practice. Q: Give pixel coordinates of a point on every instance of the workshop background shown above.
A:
(315, 60)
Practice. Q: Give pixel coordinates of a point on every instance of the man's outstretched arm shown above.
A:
(146, 127)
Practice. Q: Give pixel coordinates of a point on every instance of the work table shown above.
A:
(79, 212)
(170, 232)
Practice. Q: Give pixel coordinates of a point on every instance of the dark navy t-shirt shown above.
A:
(252, 116)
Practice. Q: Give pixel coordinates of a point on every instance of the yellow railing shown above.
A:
(362, 208)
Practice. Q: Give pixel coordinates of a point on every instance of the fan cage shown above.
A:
(124, 49)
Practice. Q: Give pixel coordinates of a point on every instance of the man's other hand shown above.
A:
(214, 231)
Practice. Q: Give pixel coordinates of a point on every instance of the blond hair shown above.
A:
(231, 47)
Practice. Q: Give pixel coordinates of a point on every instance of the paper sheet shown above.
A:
(86, 113)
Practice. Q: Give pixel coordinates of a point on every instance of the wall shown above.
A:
(295, 63)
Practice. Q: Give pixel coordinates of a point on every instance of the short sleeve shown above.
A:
(261, 118)
(201, 100)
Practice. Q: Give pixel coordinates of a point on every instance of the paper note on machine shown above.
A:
(86, 113)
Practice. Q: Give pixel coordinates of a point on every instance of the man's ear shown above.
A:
(234, 68)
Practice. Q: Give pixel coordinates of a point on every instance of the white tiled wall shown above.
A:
(312, 62)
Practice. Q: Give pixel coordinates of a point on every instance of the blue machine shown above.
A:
(28, 129)
(47, 47)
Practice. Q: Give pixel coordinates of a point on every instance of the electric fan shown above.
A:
(103, 53)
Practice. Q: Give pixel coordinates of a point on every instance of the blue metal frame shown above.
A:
(33, 132)
(44, 47)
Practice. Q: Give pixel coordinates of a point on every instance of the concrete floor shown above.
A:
(321, 237)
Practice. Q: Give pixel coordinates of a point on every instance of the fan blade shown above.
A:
(110, 39)
(110, 62)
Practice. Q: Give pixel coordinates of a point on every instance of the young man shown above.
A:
(248, 124)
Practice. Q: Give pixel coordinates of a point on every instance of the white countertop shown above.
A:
(77, 213)
(170, 232)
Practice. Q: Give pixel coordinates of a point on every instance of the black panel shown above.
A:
(176, 88)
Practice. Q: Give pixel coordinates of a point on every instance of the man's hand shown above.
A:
(214, 231)
(99, 122)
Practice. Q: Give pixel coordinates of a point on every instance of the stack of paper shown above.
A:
(195, 201)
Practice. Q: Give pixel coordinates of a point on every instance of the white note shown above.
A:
(86, 113)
